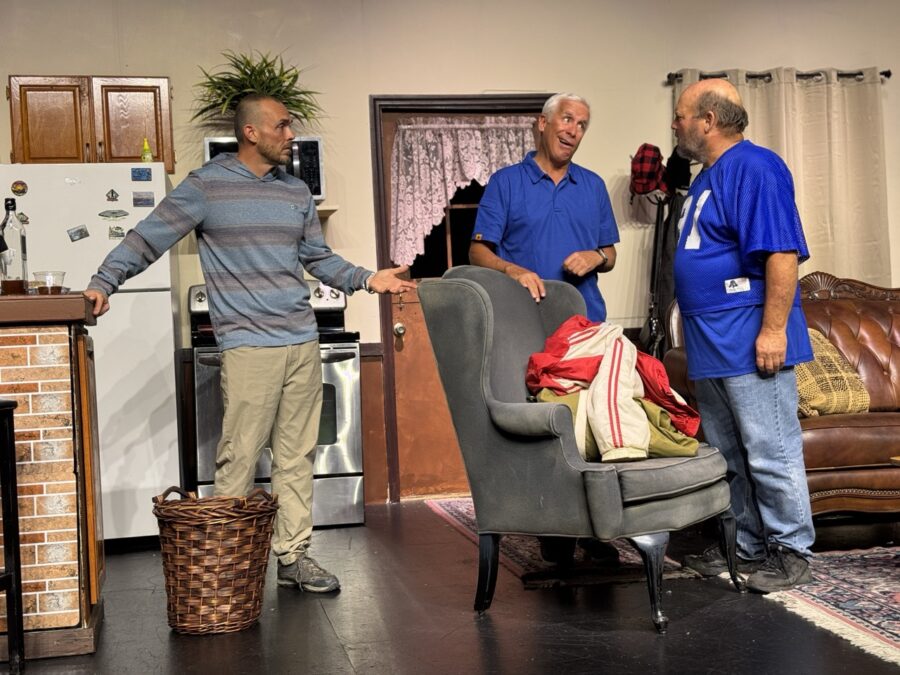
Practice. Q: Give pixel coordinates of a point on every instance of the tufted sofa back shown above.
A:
(863, 322)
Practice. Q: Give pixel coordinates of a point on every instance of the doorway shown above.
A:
(423, 456)
(448, 243)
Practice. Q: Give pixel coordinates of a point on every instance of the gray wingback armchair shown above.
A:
(524, 469)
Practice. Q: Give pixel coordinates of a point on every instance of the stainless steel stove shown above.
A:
(338, 473)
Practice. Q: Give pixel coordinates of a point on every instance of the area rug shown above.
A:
(855, 594)
(522, 555)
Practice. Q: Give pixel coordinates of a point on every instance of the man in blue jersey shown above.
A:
(257, 231)
(736, 284)
(547, 218)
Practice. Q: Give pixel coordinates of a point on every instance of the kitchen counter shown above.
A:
(47, 367)
(42, 309)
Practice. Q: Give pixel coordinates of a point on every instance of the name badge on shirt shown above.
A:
(740, 285)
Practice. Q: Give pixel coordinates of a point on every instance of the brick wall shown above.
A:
(35, 371)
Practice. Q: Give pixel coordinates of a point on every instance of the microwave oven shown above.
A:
(305, 162)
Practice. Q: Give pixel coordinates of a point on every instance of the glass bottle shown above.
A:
(13, 252)
(146, 152)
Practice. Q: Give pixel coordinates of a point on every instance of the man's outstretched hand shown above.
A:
(388, 280)
(99, 300)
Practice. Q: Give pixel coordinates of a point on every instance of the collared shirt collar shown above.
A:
(535, 172)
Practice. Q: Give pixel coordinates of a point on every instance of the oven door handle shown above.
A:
(214, 360)
(337, 357)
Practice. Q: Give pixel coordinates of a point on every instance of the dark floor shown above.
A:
(406, 607)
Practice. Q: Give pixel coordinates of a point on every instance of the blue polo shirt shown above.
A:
(537, 224)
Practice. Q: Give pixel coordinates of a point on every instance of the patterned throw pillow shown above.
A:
(828, 384)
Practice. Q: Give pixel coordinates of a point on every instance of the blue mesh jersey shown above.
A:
(736, 213)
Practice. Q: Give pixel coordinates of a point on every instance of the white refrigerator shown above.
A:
(76, 213)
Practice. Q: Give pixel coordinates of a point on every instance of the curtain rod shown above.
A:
(672, 78)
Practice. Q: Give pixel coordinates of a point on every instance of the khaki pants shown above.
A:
(273, 394)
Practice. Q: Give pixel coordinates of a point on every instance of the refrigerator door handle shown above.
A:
(100, 151)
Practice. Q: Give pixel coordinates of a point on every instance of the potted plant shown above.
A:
(220, 92)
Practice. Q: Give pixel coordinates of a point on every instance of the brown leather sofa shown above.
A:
(848, 457)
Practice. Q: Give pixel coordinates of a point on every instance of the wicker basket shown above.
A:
(214, 551)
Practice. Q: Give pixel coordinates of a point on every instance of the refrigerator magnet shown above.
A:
(143, 199)
(19, 188)
(113, 214)
(142, 173)
(76, 233)
(112, 196)
(116, 232)
(23, 218)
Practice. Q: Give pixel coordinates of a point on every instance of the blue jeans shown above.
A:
(753, 421)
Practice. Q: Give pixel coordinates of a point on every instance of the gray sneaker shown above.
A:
(712, 563)
(306, 573)
(783, 570)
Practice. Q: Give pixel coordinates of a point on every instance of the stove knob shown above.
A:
(200, 297)
(319, 293)
(335, 294)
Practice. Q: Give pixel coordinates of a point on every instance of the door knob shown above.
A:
(399, 329)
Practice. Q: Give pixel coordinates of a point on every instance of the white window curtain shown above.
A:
(828, 127)
(434, 156)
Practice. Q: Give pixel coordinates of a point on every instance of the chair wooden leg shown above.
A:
(652, 548)
(728, 542)
(488, 558)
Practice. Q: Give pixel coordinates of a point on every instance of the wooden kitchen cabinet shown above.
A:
(72, 119)
(127, 110)
(50, 119)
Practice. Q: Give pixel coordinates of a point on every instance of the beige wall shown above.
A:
(615, 53)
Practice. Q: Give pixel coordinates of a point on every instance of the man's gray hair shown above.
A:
(732, 117)
(551, 105)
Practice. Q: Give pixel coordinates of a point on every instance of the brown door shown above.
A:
(423, 456)
(127, 110)
(428, 453)
(51, 119)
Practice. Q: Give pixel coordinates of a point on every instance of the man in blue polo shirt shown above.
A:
(547, 218)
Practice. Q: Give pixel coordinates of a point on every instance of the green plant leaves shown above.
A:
(220, 92)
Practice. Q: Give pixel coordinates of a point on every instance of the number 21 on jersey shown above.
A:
(692, 241)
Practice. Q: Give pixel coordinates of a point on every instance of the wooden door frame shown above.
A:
(379, 105)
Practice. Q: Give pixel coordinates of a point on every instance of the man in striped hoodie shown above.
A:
(257, 231)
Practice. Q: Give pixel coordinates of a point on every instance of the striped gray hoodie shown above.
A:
(255, 236)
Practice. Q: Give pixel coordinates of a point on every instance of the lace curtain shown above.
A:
(434, 156)
(828, 127)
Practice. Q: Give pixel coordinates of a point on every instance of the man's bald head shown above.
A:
(721, 98)
(718, 86)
